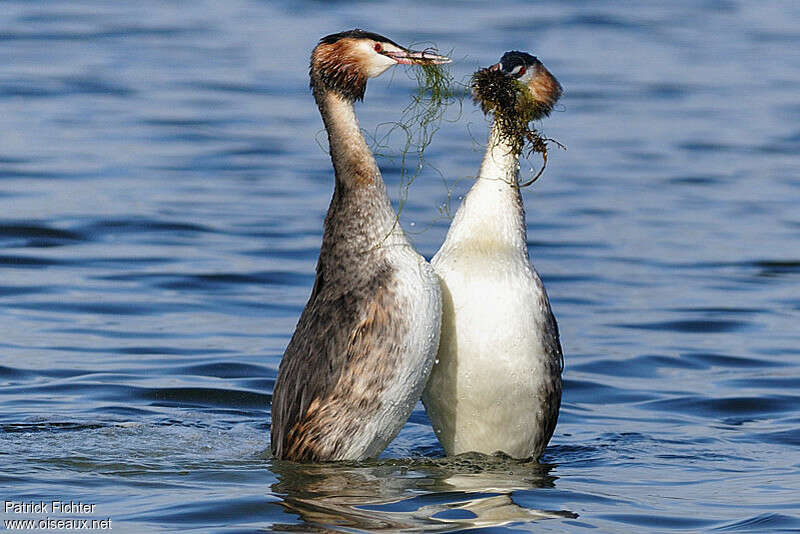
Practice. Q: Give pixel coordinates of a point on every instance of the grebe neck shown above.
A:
(492, 217)
(500, 162)
(361, 225)
(352, 159)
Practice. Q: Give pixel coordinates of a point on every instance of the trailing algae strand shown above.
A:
(421, 119)
(423, 116)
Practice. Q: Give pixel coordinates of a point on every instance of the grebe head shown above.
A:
(529, 71)
(342, 62)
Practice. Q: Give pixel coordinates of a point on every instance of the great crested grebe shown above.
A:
(497, 383)
(365, 343)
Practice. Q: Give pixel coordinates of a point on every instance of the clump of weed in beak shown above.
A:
(514, 108)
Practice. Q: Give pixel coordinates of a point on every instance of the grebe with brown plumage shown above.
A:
(365, 343)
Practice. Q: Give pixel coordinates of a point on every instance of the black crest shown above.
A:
(356, 33)
(514, 59)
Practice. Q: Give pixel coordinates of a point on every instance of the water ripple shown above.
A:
(587, 391)
(706, 326)
(768, 522)
(119, 32)
(763, 406)
(659, 521)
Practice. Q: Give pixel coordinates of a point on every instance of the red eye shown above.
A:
(378, 47)
(521, 71)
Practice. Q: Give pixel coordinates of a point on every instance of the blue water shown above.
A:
(162, 190)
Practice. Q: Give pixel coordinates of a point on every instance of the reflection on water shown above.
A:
(426, 495)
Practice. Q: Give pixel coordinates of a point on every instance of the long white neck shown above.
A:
(492, 215)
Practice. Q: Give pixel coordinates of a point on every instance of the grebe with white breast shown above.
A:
(366, 340)
(497, 383)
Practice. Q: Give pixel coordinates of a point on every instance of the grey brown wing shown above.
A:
(339, 360)
(550, 400)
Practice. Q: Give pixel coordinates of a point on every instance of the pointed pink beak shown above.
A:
(412, 57)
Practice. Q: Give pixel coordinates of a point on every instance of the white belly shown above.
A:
(494, 371)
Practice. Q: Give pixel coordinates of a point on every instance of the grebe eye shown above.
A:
(378, 47)
(518, 71)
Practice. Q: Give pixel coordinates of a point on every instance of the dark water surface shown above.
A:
(162, 193)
